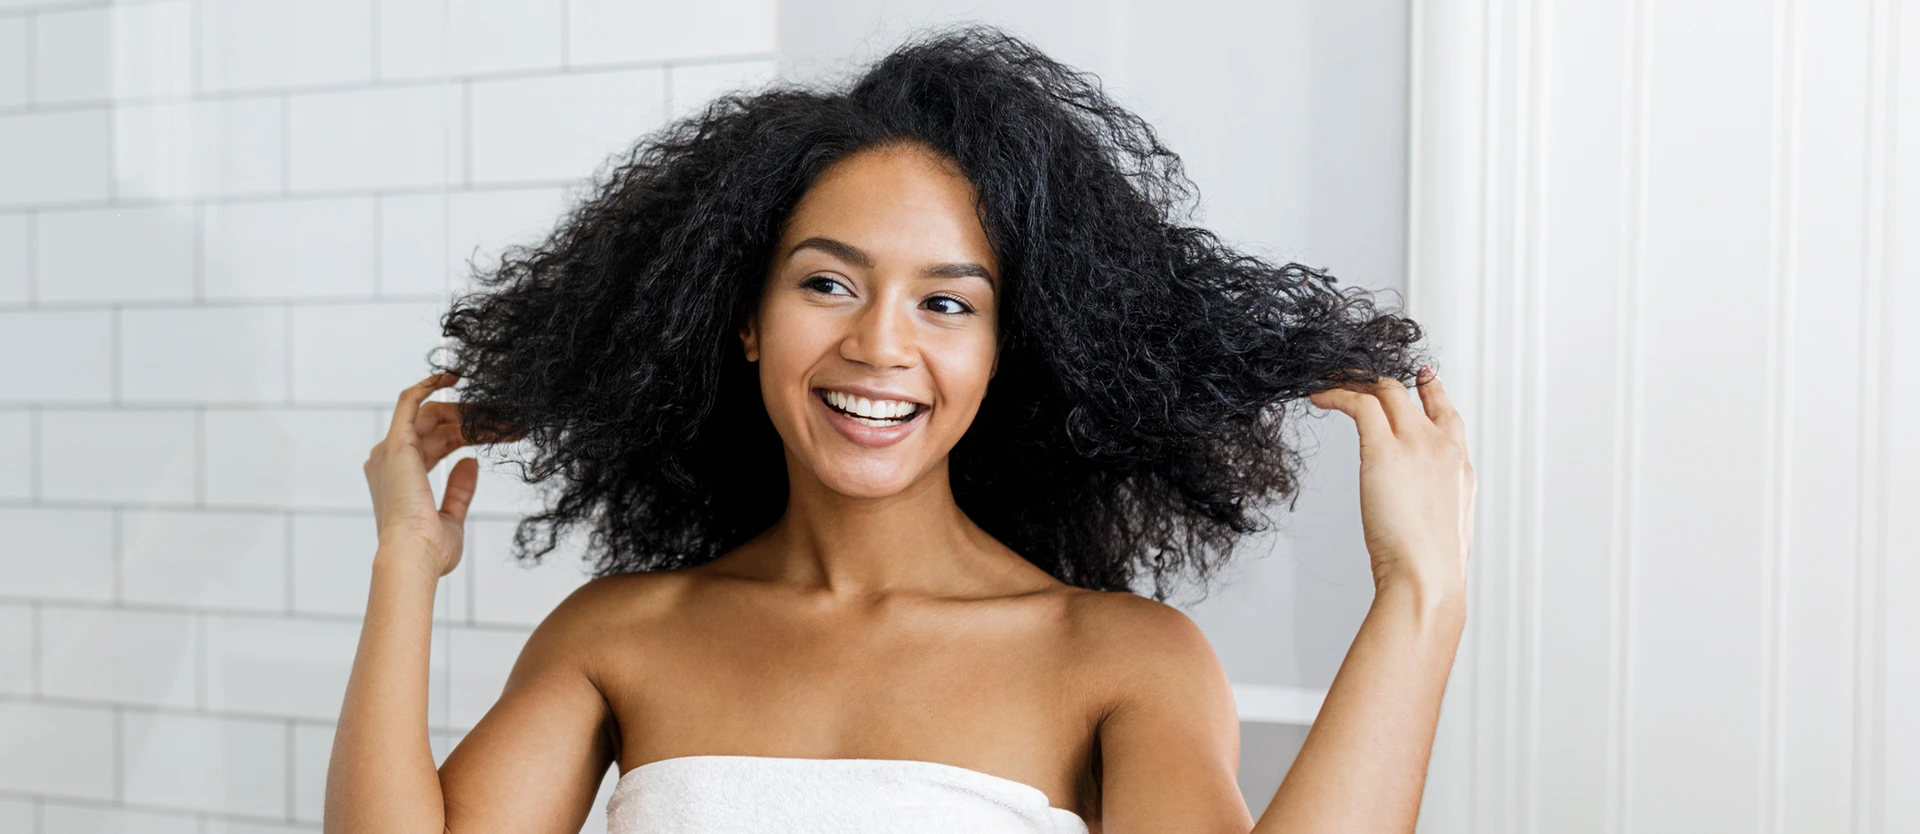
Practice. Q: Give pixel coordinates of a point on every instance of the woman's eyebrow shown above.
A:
(858, 257)
(844, 251)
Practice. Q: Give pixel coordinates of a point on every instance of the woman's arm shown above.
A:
(549, 726)
(1170, 741)
(1364, 763)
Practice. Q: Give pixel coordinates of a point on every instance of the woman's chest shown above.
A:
(997, 700)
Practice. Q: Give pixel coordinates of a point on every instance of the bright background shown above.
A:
(227, 228)
(1665, 248)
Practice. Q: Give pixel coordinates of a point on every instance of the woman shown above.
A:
(878, 404)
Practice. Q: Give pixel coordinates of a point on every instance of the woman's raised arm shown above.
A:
(1170, 742)
(1364, 763)
(549, 727)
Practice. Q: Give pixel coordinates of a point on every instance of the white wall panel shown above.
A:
(203, 354)
(615, 31)
(58, 553)
(76, 349)
(289, 457)
(212, 559)
(132, 456)
(274, 44)
(150, 658)
(63, 818)
(16, 454)
(205, 763)
(560, 127)
(15, 258)
(181, 149)
(14, 58)
(289, 249)
(392, 137)
(120, 254)
(1660, 246)
(60, 156)
(492, 36)
(73, 748)
(17, 650)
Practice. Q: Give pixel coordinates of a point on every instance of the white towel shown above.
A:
(723, 794)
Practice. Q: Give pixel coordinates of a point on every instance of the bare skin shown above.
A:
(874, 620)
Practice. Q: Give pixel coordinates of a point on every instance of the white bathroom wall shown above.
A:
(1671, 251)
(226, 230)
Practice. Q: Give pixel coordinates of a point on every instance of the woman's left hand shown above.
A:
(1417, 485)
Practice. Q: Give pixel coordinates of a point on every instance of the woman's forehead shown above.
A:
(893, 203)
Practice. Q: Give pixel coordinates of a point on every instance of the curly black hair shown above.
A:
(1134, 429)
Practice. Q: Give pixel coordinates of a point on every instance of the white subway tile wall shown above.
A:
(227, 231)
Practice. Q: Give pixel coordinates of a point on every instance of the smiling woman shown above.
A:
(879, 405)
(878, 347)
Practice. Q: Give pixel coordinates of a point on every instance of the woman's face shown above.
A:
(876, 333)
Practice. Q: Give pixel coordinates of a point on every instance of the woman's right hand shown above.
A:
(422, 434)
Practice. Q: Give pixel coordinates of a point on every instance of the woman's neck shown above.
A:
(916, 541)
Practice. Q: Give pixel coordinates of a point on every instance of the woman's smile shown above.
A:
(874, 420)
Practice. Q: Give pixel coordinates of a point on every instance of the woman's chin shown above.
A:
(867, 481)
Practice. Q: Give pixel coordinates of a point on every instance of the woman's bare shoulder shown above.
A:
(1124, 635)
(620, 599)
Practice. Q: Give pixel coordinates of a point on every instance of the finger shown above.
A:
(1365, 410)
(1439, 407)
(1397, 402)
(435, 445)
(461, 481)
(432, 415)
(408, 406)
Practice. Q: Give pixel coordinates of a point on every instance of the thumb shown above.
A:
(461, 480)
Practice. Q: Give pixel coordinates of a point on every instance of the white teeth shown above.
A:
(870, 412)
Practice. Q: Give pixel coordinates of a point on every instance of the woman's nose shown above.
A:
(881, 336)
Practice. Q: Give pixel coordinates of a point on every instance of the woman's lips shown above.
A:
(873, 437)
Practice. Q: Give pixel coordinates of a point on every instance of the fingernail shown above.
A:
(1426, 372)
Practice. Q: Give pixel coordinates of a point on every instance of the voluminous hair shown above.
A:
(1133, 432)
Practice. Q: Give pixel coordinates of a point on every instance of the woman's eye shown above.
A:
(823, 284)
(947, 304)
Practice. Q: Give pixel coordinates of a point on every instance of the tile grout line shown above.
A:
(466, 134)
(119, 756)
(378, 248)
(159, 710)
(34, 477)
(287, 558)
(113, 356)
(291, 778)
(33, 257)
(287, 348)
(199, 252)
(194, 20)
(247, 197)
(310, 617)
(201, 817)
(231, 507)
(202, 95)
(113, 159)
(435, 298)
(199, 456)
(119, 555)
(37, 673)
(286, 144)
(373, 39)
(31, 31)
(201, 667)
